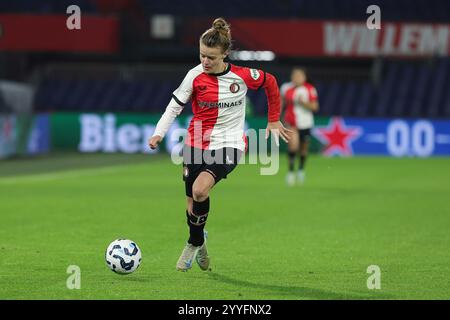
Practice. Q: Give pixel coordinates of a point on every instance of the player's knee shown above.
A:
(200, 192)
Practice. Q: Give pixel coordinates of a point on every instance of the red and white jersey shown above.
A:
(218, 105)
(296, 114)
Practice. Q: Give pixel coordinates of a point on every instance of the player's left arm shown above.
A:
(256, 79)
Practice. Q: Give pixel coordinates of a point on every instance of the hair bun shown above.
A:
(219, 35)
(221, 25)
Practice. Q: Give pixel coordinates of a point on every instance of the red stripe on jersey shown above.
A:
(312, 93)
(205, 91)
(289, 115)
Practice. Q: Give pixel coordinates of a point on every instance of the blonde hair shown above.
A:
(219, 35)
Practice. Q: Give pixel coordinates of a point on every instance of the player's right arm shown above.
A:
(180, 97)
(173, 109)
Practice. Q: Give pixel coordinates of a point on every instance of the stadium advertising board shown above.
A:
(334, 136)
(8, 136)
(326, 38)
(48, 32)
(27, 135)
(388, 137)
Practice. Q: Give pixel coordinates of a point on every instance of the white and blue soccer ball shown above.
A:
(123, 256)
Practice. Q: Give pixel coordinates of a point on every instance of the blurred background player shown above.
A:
(216, 140)
(299, 102)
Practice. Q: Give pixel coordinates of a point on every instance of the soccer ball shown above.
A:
(123, 256)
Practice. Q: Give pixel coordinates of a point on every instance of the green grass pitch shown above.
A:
(266, 241)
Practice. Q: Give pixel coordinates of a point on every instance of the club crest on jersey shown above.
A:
(254, 74)
(234, 87)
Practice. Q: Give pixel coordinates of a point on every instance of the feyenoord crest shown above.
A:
(234, 87)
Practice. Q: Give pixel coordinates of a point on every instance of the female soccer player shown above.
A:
(300, 101)
(215, 139)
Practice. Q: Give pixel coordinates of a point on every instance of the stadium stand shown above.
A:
(405, 88)
(398, 10)
(419, 90)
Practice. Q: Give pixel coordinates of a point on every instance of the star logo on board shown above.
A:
(337, 137)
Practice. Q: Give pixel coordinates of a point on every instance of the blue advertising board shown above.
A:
(388, 137)
(39, 135)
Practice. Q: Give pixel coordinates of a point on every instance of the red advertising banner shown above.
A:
(343, 39)
(22, 32)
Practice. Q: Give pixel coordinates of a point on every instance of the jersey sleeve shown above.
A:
(183, 93)
(256, 79)
(173, 110)
(180, 97)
